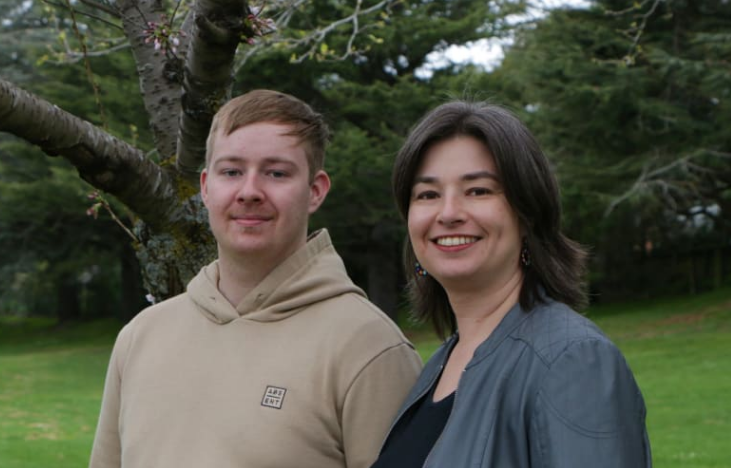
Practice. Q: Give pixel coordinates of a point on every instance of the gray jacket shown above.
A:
(546, 390)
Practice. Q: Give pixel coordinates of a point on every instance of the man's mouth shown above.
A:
(251, 219)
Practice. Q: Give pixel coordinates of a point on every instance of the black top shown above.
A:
(412, 439)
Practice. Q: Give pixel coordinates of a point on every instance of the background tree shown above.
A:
(632, 101)
(185, 58)
(54, 259)
(371, 99)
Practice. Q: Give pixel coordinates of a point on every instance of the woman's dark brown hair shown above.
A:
(558, 264)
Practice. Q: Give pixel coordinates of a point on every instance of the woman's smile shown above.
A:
(460, 223)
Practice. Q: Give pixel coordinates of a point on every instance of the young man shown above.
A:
(273, 357)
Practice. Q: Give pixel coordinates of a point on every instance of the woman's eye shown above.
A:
(426, 195)
(479, 191)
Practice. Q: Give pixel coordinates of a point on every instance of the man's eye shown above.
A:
(231, 172)
(277, 174)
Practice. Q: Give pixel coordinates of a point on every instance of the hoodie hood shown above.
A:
(312, 274)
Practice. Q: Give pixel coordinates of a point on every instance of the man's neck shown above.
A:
(235, 280)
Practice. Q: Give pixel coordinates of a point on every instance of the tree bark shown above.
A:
(173, 236)
(383, 271)
(218, 29)
(133, 291)
(102, 160)
(160, 74)
(68, 306)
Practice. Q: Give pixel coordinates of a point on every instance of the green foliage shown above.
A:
(56, 260)
(48, 243)
(635, 121)
(371, 99)
(612, 97)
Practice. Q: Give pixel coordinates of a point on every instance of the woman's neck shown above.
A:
(478, 312)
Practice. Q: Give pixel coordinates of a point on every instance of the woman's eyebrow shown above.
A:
(424, 180)
(479, 175)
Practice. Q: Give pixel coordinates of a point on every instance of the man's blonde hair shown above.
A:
(263, 105)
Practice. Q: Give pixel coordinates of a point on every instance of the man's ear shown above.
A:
(204, 186)
(318, 190)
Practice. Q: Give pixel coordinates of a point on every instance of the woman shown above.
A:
(524, 381)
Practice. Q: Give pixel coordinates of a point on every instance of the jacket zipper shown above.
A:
(426, 390)
(449, 418)
(405, 410)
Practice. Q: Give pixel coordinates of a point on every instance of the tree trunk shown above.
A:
(68, 307)
(133, 291)
(382, 264)
(692, 285)
(717, 268)
(169, 260)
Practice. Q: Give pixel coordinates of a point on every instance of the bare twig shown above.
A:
(84, 13)
(74, 56)
(635, 7)
(636, 187)
(641, 29)
(316, 37)
(691, 183)
(101, 202)
(100, 6)
(87, 65)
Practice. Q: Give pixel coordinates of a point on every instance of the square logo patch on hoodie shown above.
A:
(273, 397)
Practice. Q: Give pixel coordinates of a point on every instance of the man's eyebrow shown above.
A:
(278, 160)
(239, 159)
(229, 159)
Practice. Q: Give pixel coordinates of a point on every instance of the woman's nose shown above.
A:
(451, 211)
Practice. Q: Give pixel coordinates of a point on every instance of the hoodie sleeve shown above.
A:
(589, 412)
(372, 401)
(106, 451)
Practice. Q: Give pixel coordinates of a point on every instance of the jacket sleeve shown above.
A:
(589, 412)
(106, 451)
(372, 401)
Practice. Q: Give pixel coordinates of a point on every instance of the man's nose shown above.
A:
(251, 189)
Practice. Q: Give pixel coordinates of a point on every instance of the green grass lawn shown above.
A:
(51, 381)
(680, 352)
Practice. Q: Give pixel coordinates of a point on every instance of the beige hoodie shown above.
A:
(305, 372)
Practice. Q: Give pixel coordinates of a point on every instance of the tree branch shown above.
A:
(73, 57)
(218, 29)
(102, 160)
(160, 74)
(316, 37)
(629, 57)
(102, 7)
(87, 14)
(691, 184)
